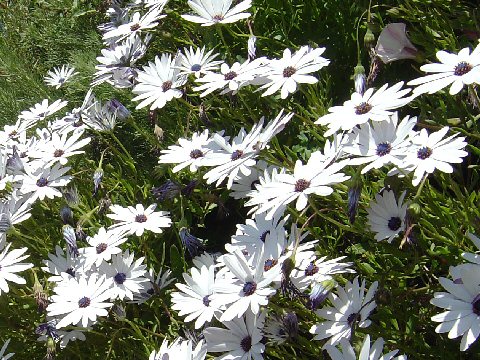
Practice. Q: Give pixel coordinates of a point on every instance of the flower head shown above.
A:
(59, 76)
(211, 12)
(393, 44)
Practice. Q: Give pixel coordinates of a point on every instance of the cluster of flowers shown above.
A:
(262, 258)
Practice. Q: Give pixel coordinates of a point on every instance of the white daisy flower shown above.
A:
(153, 286)
(241, 340)
(10, 264)
(230, 79)
(102, 246)
(239, 156)
(367, 352)
(135, 220)
(180, 349)
(315, 177)
(40, 111)
(120, 57)
(198, 62)
(372, 105)
(194, 299)
(4, 356)
(386, 216)
(59, 76)
(44, 183)
(13, 211)
(456, 70)
(248, 288)
(351, 307)
(62, 265)
(430, 152)
(211, 12)
(136, 24)
(188, 153)
(381, 143)
(124, 275)
(462, 305)
(159, 82)
(61, 146)
(80, 301)
(287, 72)
(252, 235)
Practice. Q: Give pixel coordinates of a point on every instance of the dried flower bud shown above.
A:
(103, 205)
(354, 192)
(158, 132)
(168, 190)
(290, 324)
(66, 215)
(193, 245)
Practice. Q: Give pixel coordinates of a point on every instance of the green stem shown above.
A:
(333, 221)
(422, 183)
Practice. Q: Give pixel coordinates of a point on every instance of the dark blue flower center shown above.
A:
(311, 269)
(230, 75)
(249, 288)
(476, 305)
(383, 149)
(394, 223)
(269, 263)
(363, 108)
(120, 278)
(42, 182)
(301, 185)
(237, 154)
(264, 235)
(84, 302)
(246, 343)
(424, 153)
(167, 85)
(351, 318)
(206, 300)
(289, 71)
(101, 248)
(141, 218)
(462, 68)
(196, 67)
(70, 272)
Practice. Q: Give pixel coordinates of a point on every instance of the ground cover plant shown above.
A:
(239, 180)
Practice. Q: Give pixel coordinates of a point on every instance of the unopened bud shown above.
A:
(369, 39)
(360, 79)
(66, 215)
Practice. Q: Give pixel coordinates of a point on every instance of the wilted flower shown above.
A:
(116, 106)
(319, 293)
(191, 243)
(71, 239)
(168, 190)
(393, 44)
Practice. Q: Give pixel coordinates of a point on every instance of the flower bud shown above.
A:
(66, 214)
(360, 79)
(290, 324)
(71, 239)
(97, 179)
(193, 245)
(354, 192)
(369, 38)
(319, 293)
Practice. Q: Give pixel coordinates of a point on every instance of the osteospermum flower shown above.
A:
(159, 82)
(41, 110)
(194, 297)
(380, 143)
(180, 349)
(456, 70)
(62, 264)
(59, 76)
(462, 305)
(61, 146)
(80, 302)
(188, 153)
(44, 182)
(198, 61)
(430, 152)
(315, 177)
(136, 24)
(372, 105)
(367, 352)
(350, 306)
(135, 220)
(10, 264)
(386, 216)
(248, 288)
(124, 275)
(230, 78)
(287, 72)
(241, 340)
(239, 156)
(211, 12)
(102, 246)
